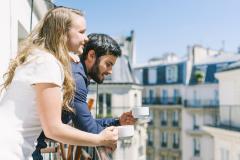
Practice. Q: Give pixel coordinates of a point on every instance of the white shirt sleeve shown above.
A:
(46, 69)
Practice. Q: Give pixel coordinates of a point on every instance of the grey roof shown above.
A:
(232, 66)
(122, 72)
(220, 58)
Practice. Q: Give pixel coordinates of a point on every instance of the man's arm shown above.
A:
(105, 122)
(82, 117)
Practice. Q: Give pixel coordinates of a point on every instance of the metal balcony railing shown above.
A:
(175, 123)
(175, 145)
(228, 117)
(162, 100)
(164, 144)
(201, 103)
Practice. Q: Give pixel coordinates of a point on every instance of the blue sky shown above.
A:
(165, 25)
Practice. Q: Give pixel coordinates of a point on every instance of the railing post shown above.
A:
(230, 116)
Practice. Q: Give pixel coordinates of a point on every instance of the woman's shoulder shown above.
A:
(39, 55)
(42, 57)
(44, 67)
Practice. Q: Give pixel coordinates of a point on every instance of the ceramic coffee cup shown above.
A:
(140, 112)
(125, 132)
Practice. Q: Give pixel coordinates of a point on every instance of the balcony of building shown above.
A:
(201, 103)
(162, 100)
(229, 118)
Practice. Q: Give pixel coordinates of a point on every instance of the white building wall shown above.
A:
(188, 134)
(227, 142)
(187, 148)
(229, 86)
(207, 147)
(13, 13)
(200, 53)
(229, 96)
(203, 91)
(5, 31)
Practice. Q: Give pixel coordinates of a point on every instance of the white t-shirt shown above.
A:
(19, 120)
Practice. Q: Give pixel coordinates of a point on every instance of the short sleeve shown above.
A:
(46, 69)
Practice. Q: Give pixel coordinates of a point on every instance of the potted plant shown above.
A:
(199, 75)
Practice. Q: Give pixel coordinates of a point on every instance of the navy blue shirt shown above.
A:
(82, 118)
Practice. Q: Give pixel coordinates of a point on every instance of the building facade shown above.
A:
(226, 131)
(18, 17)
(183, 96)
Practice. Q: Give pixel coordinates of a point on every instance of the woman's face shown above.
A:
(76, 35)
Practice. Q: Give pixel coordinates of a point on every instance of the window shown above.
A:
(150, 137)
(175, 140)
(195, 100)
(22, 32)
(171, 74)
(221, 66)
(100, 108)
(140, 151)
(176, 97)
(152, 75)
(195, 125)
(164, 98)
(139, 75)
(151, 96)
(164, 137)
(175, 118)
(105, 105)
(196, 146)
(109, 104)
(136, 100)
(163, 117)
(224, 154)
(216, 97)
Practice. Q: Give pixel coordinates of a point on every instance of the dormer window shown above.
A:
(171, 74)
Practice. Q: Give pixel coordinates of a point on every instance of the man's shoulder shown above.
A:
(77, 67)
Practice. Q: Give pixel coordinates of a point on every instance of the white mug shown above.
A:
(126, 131)
(140, 112)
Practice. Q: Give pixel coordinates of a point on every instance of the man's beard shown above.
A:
(94, 73)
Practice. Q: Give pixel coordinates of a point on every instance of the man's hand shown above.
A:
(127, 119)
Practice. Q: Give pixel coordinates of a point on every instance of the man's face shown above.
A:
(76, 35)
(102, 67)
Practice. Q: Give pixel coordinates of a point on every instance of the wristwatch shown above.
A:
(117, 122)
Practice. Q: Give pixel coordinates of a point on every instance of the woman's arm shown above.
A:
(49, 109)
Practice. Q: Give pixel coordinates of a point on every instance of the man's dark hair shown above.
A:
(102, 44)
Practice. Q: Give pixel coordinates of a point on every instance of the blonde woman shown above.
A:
(38, 83)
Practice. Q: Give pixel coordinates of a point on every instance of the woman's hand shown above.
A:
(109, 137)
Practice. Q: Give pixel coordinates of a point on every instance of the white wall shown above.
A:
(204, 91)
(227, 141)
(229, 92)
(13, 13)
(188, 134)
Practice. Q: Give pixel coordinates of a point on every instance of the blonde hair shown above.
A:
(50, 34)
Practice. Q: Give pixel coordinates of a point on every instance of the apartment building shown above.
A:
(226, 131)
(183, 95)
